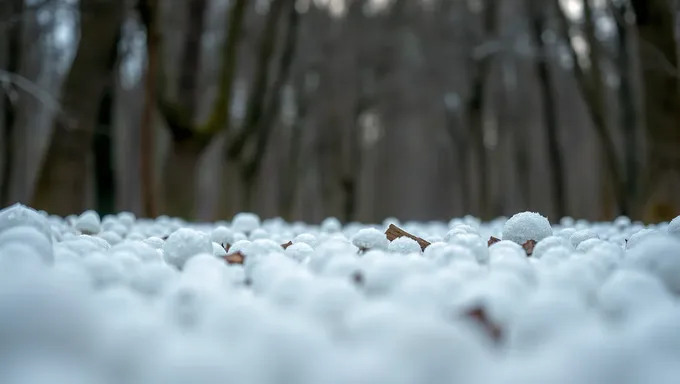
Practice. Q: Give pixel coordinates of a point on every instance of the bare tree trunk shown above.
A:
(189, 138)
(541, 62)
(263, 107)
(148, 10)
(12, 11)
(475, 113)
(658, 55)
(459, 143)
(476, 127)
(103, 148)
(591, 86)
(180, 178)
(62, 184)
(629, 103)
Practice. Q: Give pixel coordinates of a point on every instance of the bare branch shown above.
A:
(31, 89)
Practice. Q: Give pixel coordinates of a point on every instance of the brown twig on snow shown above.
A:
(288, 244)
(492, 241)
(394, 232)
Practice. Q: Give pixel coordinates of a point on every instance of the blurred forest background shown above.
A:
(358, 109)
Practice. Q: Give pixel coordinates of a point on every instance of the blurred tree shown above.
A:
(593, 88)
(475, 113)
(148, 10)
(247, 147)
(628, 95)
(537, 18)
(62, 182)
(11, 16)
(188, 138)
(658, 57)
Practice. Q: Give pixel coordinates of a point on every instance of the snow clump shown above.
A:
(526, 226)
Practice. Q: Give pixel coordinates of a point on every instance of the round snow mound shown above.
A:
(526, 226)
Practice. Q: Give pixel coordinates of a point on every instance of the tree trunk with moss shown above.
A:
(189, 138)
(62, 183)
(661, 92)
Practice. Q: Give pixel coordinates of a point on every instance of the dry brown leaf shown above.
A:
(529, 247)
(493, 240)
(479, 315)
(235, 258)
(394, 232)
(288, 244)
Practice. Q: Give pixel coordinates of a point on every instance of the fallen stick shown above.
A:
(394, 232)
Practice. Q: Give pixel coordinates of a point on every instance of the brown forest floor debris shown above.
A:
(479, 315)
(235, 258)
(529, 247)
(394, 232)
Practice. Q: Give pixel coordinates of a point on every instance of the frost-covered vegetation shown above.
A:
(88, 300)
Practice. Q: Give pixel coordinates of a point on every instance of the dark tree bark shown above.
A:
(481, 68)
(105, 180)
(62, 183)
(542, 67)
(592, 88)
(148, 10)
(629, 102)
(11, 13)
(262, 107)
(658, 56)
(189, 139)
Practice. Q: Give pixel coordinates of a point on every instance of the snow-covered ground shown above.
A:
(121, 300)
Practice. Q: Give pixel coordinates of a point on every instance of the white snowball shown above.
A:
(145, 252)
(31, 237)
(629, 291)
(459, 229)
(218, 250)
(331, 225)
(306, 238)
(111, 237)
(155, 242)
(404, 245)
(185, 243)
(238, 246)
(451, 253)
(547, 243)
(127, 218)
(258, 234)
(640, 236)
(88, 223)
(17, 214)
(660, 256)
(589, 244)
(299, 252)
(674, 227)
(526, 226)
(245, 222)
(222, 235)
(153, 278)
(473, 242)
(370, 238)
(580, 236)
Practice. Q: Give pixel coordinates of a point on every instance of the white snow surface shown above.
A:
(126, 306)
